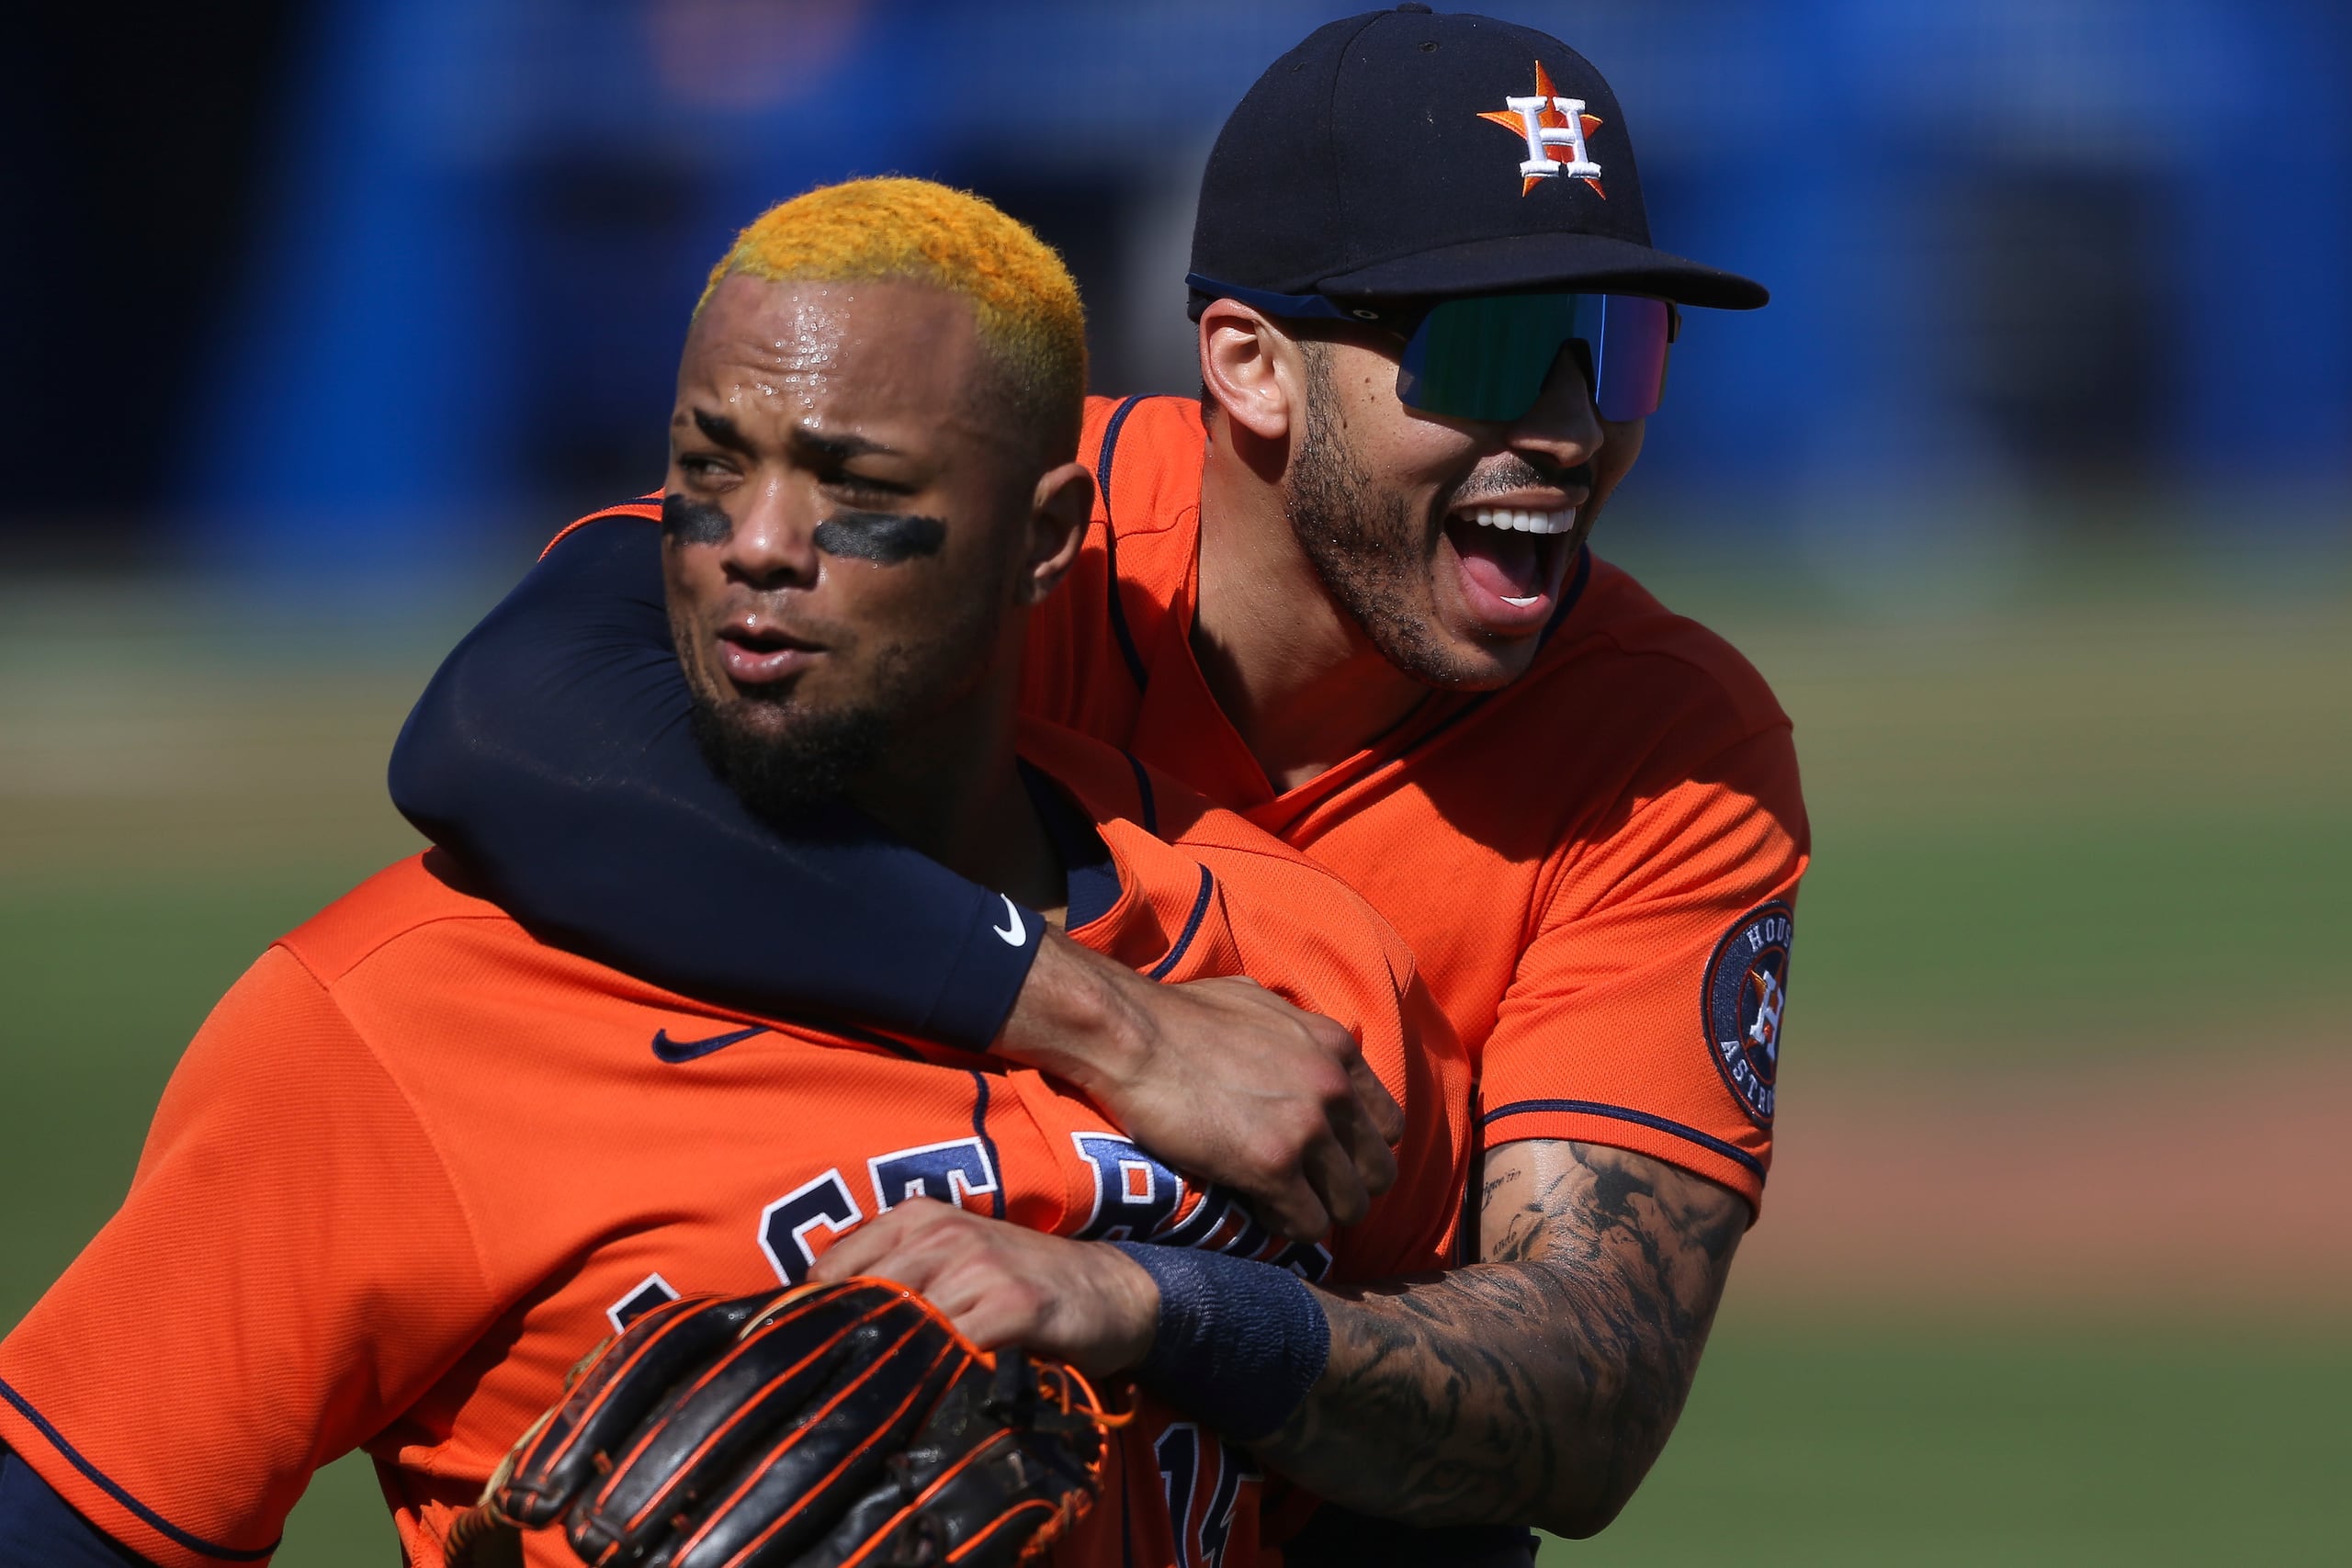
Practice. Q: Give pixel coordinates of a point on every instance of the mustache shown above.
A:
(1515, 471)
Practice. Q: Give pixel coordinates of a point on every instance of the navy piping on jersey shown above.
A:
(1111, 541)
(1732, 1152)
(1143, 793)
(1192, 929)
(981, 1131)
(1567, 603)
(106, 1483)
(1090, 877)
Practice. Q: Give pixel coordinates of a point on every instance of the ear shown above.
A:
(1060, 510)
(1252, 369)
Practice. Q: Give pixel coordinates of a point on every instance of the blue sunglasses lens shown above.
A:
(1486, 357)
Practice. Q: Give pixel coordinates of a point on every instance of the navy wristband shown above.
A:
(1239, 1343)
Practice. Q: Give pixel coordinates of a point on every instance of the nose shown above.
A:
(773, 544)
(1563, 428)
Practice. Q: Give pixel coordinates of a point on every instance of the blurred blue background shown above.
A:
(365, 282)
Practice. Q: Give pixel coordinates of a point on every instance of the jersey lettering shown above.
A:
(785, 1226)
(1179, 1449)
(1186, 1462)
(1134, 1194)
(952, 1172)
(643, 1297)
(1138, 1199)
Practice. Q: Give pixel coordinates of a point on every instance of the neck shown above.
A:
(1297, 676)
(950, 789)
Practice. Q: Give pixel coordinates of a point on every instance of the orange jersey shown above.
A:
(1594, 865)
(416, 1163)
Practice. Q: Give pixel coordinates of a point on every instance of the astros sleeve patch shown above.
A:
(1741, 1001)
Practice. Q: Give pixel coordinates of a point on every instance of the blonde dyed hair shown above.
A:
(1024, 299)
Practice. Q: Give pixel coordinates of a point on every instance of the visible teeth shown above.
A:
(1558, 522)
(1521, 603)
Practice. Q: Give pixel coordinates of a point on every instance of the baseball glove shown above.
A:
(827, 1424)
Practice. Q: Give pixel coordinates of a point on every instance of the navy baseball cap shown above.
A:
(1407, 154)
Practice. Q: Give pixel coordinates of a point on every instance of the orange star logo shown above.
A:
(1544, 121)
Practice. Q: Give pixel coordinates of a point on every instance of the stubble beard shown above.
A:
(783, 758)
(1369, 551)
(783, 768)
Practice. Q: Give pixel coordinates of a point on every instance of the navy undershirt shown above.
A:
(552, 756)
(40, 1529)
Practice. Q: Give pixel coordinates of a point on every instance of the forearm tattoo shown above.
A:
(1536, 1387)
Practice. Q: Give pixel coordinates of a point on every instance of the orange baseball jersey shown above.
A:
(416, 1163)
(1595, 865)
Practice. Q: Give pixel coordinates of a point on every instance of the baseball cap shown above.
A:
(1406, 153)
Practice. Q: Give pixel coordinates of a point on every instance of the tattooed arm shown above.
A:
(1535, 1387)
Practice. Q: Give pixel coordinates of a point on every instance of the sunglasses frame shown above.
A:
(1406, 318)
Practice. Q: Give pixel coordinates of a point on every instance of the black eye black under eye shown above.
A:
(692, 521)
(886, 538)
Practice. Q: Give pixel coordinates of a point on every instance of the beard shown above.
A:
(1369, 550)
(1370, 553)
(1366, 547)
(783, 756)
(783, 767)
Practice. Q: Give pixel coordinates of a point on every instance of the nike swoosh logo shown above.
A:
(1016, 933)
(671, 1050)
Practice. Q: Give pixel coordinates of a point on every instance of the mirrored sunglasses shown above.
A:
(1486, 356)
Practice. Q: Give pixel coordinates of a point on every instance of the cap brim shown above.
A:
(1592, 262)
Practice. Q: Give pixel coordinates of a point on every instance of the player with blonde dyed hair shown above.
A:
(1023, 300)
(421, 1158)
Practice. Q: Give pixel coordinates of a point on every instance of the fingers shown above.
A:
(1388, 1117)
(1369, 1151)
(998, 1284)
(1331, 1169)
(939, 1250)
(892, 1247)
(1292, 1209)
(989, 1319)
(1347, 1162)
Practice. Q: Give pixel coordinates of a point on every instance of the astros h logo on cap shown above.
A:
(1365, 164)
(1549, 120)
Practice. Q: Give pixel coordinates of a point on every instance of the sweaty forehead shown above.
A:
(873, 351)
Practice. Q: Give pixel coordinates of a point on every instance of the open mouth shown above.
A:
(756, 655)
(1511, 560)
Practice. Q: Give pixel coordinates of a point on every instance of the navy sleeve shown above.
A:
(552, 756)
(40, 1529)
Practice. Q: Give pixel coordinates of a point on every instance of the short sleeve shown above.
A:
(1645, 1012)
(291, 1270)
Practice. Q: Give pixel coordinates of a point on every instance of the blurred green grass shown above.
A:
(2043, 830)
(1823, 1444)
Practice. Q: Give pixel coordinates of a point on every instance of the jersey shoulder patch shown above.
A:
(1741, 1002)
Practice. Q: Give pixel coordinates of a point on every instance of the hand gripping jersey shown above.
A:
(1593, 865)
(416, 1163)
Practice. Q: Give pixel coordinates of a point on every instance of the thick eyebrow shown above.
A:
(840, 449)
(722, 431)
